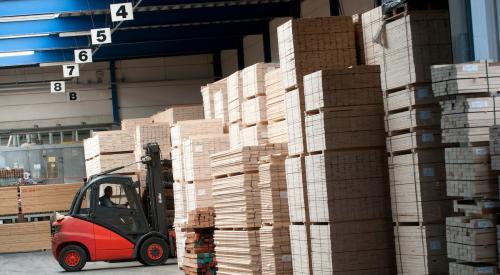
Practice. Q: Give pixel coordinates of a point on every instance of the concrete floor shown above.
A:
(42, 263)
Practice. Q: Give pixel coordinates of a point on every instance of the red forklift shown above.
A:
(105, 226)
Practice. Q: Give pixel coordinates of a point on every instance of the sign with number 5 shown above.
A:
(122, 12)
(83, 56)
(100, 36)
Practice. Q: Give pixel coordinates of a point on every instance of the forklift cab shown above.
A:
(112, 202)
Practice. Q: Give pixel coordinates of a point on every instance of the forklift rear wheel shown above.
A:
(154, 251)
(72, 258)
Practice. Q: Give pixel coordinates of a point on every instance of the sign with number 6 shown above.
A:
(122, 12)
(100, 36)
(83, 56)
(71, 70)
(57, 86)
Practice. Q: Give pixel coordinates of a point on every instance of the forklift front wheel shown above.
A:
(72, 258)
(154, 251)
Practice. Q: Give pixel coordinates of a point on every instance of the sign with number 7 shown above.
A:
(71, 70)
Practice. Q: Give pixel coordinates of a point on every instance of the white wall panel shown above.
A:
(253, 48)
(315, 8)
(229, 62)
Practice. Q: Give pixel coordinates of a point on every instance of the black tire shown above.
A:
(154, 251)
(72, 258)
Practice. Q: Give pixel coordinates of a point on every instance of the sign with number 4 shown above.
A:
(100, 36)
(122, 12)
(83, 56)
(71, 70)
(57, 86)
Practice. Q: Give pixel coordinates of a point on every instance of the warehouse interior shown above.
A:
(250, 137)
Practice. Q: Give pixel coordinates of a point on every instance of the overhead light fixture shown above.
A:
(21, 53)
(52, 64)
(34, 17)
(73, 34)
(24, 36)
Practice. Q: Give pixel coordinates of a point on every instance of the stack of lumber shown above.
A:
(253, 105)
(275, 107)
(180, 204)
(274, 233)
(468, 112)
(208, 93)
(152, 133)
(129, 124)
(201, 218)
(220, 103)
(180, 245)
(238, 207)
(177, 113)
(405, 51)
(109, 149)
(199, 256)
(11, 173)
(471, 240)
(346, 172)
(47, 198)
(185, 129)
(404, 48)
(24, 237)
(306, 46)
(235, 100)
(9, 204)
(197, 151)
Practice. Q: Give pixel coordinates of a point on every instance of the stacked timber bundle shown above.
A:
(199, 257)
(467, 94)
(47, 198)
(306, 46)
(158, 133)
(235, 100)
(403, 48)
(131, 123)
(11, 176)
(346, 174)
(9, 201)
(208, 93)
(109, 149)
(185, 194)
(24, 237)
(275, 106)
(177, 113)
(238, 208)
(274, 233)
(253, 106)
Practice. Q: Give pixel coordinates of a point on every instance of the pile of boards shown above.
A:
(199, 256)
(24, 237)
(405, 52)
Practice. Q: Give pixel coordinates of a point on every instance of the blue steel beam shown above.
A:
(128, 51)
(176, 16)
(28, 7)
(54, 42)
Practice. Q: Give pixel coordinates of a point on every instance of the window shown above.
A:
(113, 195)
(85, 206)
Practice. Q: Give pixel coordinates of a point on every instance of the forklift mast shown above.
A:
(154, 185)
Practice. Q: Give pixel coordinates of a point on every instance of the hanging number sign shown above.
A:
(83, 56)
(72, 70)
(57, 87)
(100, 36)
(73, 96)
(122, 12)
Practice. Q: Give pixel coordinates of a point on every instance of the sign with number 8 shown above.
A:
(57, 86)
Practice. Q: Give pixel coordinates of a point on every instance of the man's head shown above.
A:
(108, 191)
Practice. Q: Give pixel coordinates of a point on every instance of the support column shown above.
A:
(241, 55)
(217, 65)
(266, 39)
(335, 8)
(114, 93)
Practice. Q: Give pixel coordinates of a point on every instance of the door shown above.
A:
(119, 220)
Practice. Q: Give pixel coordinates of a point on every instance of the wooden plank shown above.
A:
(207, 93)
(297, 189)
(254, 135)
(275, 93)
(300, 243)
(275, 250)
(234, 96)
(238, 252)
(352, 248)
(47, 198)
(347, 186)
(24, 237)
(9, 204)
(277, 132)
(273, 191)
(108, 142)
(196, 155)
(253, 78)
(254, 111)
